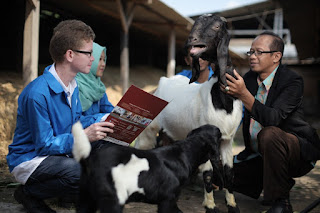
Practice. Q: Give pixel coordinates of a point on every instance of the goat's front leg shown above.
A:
(168, 206)
(208, 201)
(107, 204)
(227, 162)
(148, 138)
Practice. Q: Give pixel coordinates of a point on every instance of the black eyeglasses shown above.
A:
(84, 52)
(258, 53)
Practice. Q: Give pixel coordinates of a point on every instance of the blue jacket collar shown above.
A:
(52, 82)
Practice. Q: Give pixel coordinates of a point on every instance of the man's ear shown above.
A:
(69, 55)
(277, 57)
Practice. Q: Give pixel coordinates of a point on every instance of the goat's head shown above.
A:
(209, 40)
(211, 135)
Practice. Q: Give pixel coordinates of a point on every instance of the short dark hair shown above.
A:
(69, 34)
(277, 43)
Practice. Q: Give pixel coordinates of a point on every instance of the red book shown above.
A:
(134, 112)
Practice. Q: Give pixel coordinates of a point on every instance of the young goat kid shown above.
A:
(115, 175)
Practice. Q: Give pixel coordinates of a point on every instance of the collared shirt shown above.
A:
(67, 89)
(261, 96)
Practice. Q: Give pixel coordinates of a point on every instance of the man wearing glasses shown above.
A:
(279, 144)
(40, 156)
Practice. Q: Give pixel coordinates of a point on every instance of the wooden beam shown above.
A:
(254, 32)
(31, 41)
(278, 22)
(171, 54)
(148, 22)
(126, 16)
(263, 23)
(135, 1)
(32, 3)
(239, 18)
(139, 24)
(157, 13)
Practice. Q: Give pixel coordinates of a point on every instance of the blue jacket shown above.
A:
(44, 121)
(188, 73)
(101, 106)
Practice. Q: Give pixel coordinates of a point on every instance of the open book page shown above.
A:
(134, 112)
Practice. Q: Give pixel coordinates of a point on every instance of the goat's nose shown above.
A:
(192, 38)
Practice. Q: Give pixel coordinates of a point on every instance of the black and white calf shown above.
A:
(193, 105)
(113, 176)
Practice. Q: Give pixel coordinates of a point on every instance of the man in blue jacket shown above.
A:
(280, 145)
(40, 156)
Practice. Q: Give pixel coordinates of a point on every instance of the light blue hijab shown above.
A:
(91, 88)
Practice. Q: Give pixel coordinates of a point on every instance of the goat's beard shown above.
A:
(195, 69)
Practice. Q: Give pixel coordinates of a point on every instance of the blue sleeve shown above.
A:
(87, 120)
(43, 130)
(105, 105)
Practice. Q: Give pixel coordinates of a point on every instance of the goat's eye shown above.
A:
(216, 27)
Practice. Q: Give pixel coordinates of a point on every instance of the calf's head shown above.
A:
(209, 40)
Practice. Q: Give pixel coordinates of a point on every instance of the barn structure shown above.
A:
(149, 32)
(155, 32)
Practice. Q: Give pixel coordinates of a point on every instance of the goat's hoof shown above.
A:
(233, 209)
(214, 210)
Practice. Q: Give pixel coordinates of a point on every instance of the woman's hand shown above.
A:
(98, 131)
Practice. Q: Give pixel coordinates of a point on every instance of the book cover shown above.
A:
(134, 112)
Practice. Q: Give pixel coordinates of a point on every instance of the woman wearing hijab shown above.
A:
(92, 91)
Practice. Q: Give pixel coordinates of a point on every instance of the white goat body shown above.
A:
(190, 106)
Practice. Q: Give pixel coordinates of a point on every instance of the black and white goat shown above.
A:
(192, 105)
(113, 176)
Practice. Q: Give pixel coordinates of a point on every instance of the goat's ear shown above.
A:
(223, 56)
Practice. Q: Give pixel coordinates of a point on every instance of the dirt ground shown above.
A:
(304, 192)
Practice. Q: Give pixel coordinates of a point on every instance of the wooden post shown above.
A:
(124, 61)
(171, 54)
(31, 41)
(278, 21)
(126, 16)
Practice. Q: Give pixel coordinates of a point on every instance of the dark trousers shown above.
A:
(275, 169)
(58, 176)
